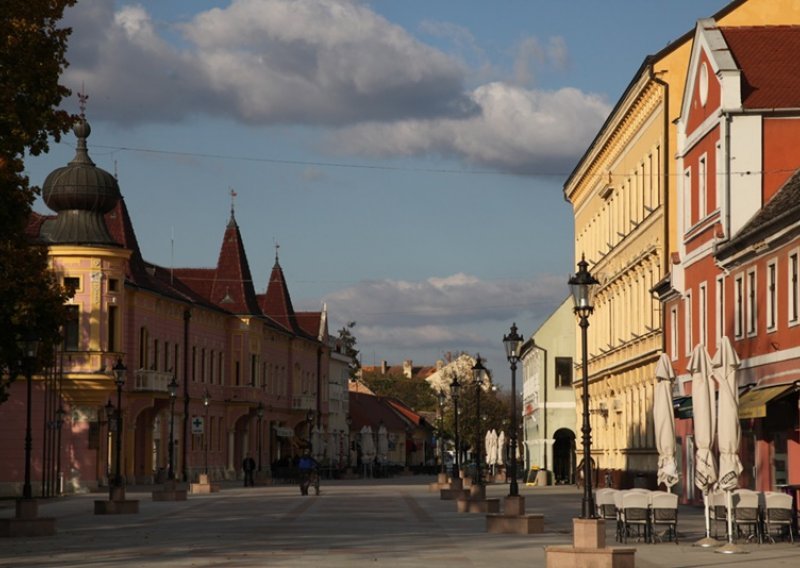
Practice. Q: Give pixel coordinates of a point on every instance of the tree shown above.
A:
(349, 348)
(32, 58)
(414, 393)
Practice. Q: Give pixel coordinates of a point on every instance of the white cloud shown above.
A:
(518, 130)
(262, 61)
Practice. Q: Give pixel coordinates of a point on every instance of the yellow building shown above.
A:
(623, 193)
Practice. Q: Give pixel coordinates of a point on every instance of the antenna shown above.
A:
(172, 256)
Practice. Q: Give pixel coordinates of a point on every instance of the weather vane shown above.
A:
(277, 246)
(82, 98)
(233, 199)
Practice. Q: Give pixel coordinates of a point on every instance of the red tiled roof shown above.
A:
(370, 410)
(769, 58)
(277, 304)
(232, 288)
(309, 322)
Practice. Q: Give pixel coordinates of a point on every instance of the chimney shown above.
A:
(408, 368)
(384, 367)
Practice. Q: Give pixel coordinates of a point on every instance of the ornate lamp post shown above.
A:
(119, 378)
(310, 422)
(260, 415)
(455, 387)
(478, 375)
(513, 344)
(173, 394)
(29, 346)
(109, 408)
(582, 285)
(206, 402)
(442, 402)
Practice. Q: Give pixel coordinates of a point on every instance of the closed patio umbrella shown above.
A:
(726, 363)
(705, 418)
(501, 448)
(664, 420)
(383, 445)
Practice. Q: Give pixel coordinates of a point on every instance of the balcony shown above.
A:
(151, 381)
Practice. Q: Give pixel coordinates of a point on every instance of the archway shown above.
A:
(564, 456)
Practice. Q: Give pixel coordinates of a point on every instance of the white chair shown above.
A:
(718, 512)
(635, 513)
(746, 514)
(664, 512)
(778, 514)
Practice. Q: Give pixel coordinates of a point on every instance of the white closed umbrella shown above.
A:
(383, 444)
(501, 446)
(664, 419)
(726, 363)
(367, 445)
(490, 443)
(705, 418)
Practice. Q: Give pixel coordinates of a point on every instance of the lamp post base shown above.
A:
(170, 491)
(27, 522)
(117, 504)
(589, 548)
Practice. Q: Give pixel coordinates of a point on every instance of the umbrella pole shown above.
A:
(707, 542)
(729, 547)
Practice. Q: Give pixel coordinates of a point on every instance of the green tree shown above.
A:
(32, 49)
(349, 342)
(414, 393)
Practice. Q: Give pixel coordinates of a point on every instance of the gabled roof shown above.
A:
(780, 212)
(232, 288)
(370, 410)
(768, 59)
(408, 413)
(311, 323)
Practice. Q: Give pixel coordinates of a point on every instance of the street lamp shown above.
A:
(513, 344)
(109, 408)
(478, 375)
(260, 415)
(310, 422)
(442, 401)
(119, 378)
(173, 394)
(455, 387)
(206, 402)
(29, 345)
(582, 285)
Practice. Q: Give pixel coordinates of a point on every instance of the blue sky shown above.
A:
(407, 155)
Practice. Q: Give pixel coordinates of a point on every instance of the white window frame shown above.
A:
(793, 282)
(702, 187)
(751, 302)
(687, 199)
(738, 306)
(687, 312)
(720, 308)
(703, 314)
(772, 295)
(673, 340)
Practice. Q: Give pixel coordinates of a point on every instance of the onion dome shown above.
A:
(81, 193)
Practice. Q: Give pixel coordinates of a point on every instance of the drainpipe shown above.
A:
(665, 256)
(187, 315)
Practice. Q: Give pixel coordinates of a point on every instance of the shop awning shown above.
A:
(753, 404)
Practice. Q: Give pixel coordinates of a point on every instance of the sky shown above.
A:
(407, 156)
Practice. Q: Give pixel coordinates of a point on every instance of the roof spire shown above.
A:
(233, 203)
(277, 246)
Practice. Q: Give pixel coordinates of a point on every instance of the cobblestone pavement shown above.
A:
(387, 522)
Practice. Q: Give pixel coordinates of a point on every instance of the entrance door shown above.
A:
(564, 456)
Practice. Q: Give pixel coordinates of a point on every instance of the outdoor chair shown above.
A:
(635, 514)
(664, 512)
(778, 515)
(718, 512)
(604, 500)
(746, 514)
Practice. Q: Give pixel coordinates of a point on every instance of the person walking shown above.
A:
(249, 466)
(308, 473)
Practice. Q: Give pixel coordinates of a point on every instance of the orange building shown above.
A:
(735, 270)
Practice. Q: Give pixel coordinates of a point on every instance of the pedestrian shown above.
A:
(308, 473)
(249, 466)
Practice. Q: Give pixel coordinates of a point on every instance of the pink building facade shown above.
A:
(252, 372)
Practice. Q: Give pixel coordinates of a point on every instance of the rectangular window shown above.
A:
(772, 295)
(688, 323)
(194, 364)
(72, 283)
(176, 360)
(794, 288)
(155, 355)
(673, 330)
(687, 200)
(752, 314)
(112, 328)
(237, 375)
(211, 367)
(166, 356)
(72, 329)
(253, 370)
(143, 339)
(203, 365)
(221, 373)
(113, 284)
(720, 311)
(702, 188)
(738, 308)
(703, 318)
(563, 372)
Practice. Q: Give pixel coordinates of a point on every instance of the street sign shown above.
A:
(198, 425)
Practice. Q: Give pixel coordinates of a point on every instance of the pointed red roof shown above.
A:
(232, 288)
(277, 303)
(767, 57)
